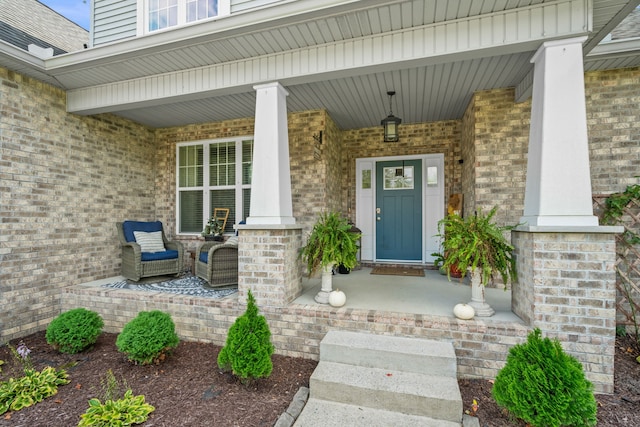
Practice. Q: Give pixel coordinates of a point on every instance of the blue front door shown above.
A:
(399, 210)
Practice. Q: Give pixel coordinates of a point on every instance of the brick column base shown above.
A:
(567, 288)
(268, 263)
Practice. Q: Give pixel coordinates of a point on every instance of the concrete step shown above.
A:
(388, 352)
(412, 393)
(322, 413)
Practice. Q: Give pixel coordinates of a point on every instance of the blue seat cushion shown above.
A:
(157, 256)
(128, 227)
(204, 256)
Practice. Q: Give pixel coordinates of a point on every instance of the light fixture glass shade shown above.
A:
(390, 124)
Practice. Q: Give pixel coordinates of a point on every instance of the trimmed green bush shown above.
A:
(544, 386)
(74, 330)
(147, 338)
(248, 349)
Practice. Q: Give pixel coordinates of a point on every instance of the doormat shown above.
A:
(398, 271)
(185, 285)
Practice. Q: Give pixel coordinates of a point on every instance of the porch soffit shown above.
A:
(505, 33)
(435, 87)
(278, 28)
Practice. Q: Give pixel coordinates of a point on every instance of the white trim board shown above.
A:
(432, 204)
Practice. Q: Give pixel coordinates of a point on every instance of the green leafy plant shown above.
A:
(128, 410)
(75, 330)
(544, 386)
(438, 259)
(111, 387)
(30, 389)
(148, 337)
(248, 349)
(331, 242)
(476, 242)
(213, 226)
(616, 205)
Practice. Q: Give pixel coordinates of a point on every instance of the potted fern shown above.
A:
(331, 242)
(477, 245)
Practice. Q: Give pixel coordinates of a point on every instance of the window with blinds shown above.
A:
(213, 174)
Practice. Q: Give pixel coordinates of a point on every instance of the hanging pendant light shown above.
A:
(391, 123)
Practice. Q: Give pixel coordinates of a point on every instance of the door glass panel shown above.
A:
(432, 176)
(366, 179)
(398, 178)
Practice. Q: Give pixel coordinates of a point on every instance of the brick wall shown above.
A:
(415, 139)
(309, 165)
(65, 180)
(468, 156)
(567, 289)
(268, 264)
(496, 169)
(613, 119)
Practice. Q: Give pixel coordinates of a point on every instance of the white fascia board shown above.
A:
(239, 23)
(23, 62)
(615, 49)
(498, 33)
(22, 56)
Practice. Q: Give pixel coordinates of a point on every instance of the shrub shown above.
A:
(75, 330)
(30, 389)
(122, 412)
(248, 349)
(147, 338)
(544, 386)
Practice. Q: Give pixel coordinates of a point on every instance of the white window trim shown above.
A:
(206, 201)
(142, 28)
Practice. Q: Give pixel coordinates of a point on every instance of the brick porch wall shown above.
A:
(567, 289)
(268, 264)
(481, 345)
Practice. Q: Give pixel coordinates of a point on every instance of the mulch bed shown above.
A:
(619, 409)
(188, 389)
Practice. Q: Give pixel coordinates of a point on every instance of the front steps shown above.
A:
(374, 380)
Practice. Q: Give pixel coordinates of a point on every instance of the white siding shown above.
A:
(241, 5)
(114, 20)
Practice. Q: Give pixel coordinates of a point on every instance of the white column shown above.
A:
(558, 188)
(271, 179)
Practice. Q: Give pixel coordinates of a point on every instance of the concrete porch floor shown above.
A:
(432, 294)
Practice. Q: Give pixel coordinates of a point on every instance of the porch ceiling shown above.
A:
(425, 90)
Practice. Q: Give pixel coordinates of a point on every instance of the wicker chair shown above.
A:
(218, 263)
(137, 264)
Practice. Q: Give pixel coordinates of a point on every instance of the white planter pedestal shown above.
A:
(323, 296)
(477, 296)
